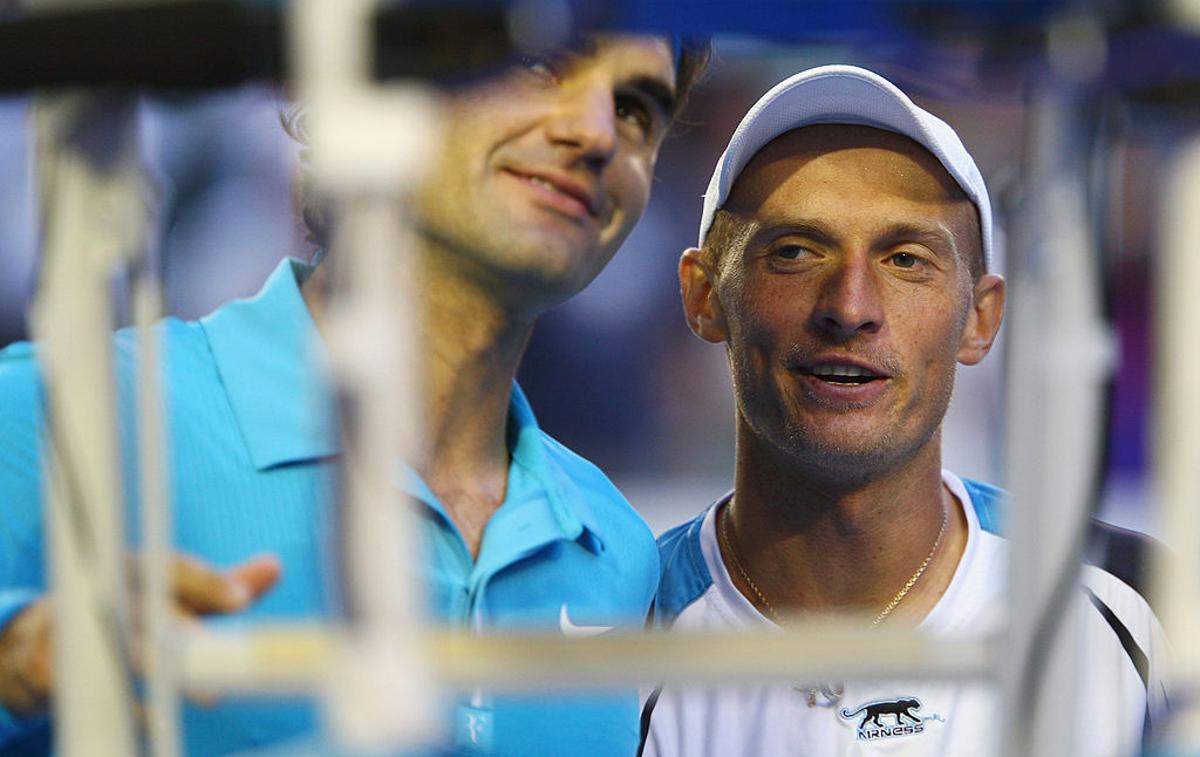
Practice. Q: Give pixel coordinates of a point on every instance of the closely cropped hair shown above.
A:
(694, 56)
(724, 234)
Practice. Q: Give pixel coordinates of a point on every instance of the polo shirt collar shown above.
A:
(274, 368)
(529, 449)
(542, 501)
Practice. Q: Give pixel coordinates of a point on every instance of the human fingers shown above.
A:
(257, 574)
(27, 660)
(202, 589)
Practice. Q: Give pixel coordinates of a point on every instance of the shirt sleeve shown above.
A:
(22, 558)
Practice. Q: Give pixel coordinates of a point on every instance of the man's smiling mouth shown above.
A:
(840, 373)
(572, 195)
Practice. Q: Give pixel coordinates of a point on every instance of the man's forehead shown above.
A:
(828, 153)
(655, 55)
(638, 62)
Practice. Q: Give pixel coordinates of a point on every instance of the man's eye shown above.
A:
(791, 252)
(905, 260)
(633, 111)
(540, 66)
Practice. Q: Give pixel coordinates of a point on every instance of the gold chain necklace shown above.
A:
(833, 691)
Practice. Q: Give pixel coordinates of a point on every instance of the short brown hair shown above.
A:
(725, 233)
(695, 53)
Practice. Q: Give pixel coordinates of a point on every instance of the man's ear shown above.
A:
(701, 307)
(983, 322)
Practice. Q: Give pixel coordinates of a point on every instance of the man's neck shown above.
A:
(810, 545)
(471, 349)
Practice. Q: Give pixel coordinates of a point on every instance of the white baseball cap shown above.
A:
(845, 95)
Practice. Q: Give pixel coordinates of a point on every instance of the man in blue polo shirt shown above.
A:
(545, 171)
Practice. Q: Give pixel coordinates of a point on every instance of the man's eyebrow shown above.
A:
(921, 233)
(814, 231)
(774, 228)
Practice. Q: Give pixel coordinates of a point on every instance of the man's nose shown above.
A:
(585, 120)
(849, 301)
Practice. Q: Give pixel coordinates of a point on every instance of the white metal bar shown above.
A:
(369, 146)
(1176, 466)
(1059, 357)
(162, 678)
(1185, 13)
(93, 216)
(380, 691)
(296, 659)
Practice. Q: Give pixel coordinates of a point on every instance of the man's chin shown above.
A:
(542, 282)
(556, 266)
(842, 457)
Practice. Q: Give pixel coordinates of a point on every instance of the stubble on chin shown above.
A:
(824, 457)
(840, 457)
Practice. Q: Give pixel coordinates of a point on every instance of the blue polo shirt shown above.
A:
(252, 463)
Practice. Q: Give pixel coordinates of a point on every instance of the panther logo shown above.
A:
(901, 711)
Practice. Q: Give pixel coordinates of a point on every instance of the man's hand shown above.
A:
(200, 589)
(26, 650)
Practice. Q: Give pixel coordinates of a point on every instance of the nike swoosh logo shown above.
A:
(570, 629)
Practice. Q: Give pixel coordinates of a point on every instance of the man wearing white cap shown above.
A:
(845, 262)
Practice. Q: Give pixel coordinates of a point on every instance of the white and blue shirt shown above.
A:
(1123, 686)
(252, 463)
